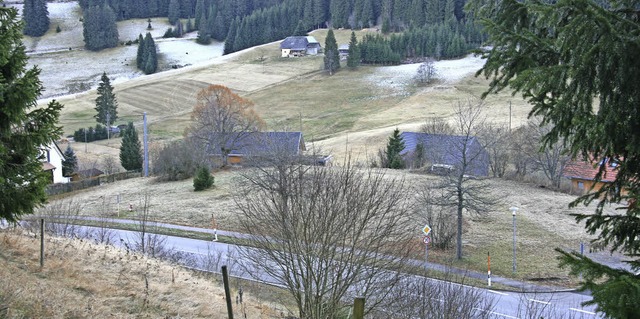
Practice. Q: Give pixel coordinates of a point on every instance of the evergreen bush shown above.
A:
(203, 179)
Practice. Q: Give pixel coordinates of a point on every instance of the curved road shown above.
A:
(209, 256)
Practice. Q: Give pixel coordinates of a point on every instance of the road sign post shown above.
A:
(426, 241)
(426, 230)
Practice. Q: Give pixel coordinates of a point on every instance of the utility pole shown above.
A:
(513, 212)
(509, 116)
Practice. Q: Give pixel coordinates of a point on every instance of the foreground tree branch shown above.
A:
(327, 233)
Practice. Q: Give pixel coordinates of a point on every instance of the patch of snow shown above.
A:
(449, 71)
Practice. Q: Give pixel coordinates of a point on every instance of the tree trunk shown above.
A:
(459, 233)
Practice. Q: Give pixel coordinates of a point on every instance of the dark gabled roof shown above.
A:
(298, 43)
(257, 143)
(587, 170)
(447, 149)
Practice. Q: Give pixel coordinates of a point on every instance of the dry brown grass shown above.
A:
(84, 280)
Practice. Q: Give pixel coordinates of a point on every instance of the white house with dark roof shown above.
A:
(52, 158)
(299, 46)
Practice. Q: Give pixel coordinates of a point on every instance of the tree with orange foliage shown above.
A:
(221, 119)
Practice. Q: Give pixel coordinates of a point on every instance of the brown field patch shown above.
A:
(85, 280)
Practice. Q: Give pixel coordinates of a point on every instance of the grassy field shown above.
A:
(543, 221)
(350, 113)
(85, 280)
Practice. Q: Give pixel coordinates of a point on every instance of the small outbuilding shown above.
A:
(300, 46)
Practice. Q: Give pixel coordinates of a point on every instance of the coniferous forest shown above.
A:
(408, 28)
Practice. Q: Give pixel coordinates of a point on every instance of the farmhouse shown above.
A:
(443, 153)
(343, 51)
(255, 147)
(583, 174)
(299, 46)
(52, 158)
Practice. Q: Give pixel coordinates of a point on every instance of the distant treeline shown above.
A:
(436, 28)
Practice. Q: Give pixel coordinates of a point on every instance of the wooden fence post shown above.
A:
(227, 292)
(358, 308)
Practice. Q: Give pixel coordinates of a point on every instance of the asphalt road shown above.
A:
(535, 302)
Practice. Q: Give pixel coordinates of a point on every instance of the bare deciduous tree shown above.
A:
(458, 189)
(436, 125)
(529, 154)
(327, 233)
(421, 297)
(427, 72)
(110, 165)
(221, 118)
(146, 238)
(496, 140)
(442, 220)
(178, 160)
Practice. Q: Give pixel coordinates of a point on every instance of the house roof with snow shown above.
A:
(448, 150)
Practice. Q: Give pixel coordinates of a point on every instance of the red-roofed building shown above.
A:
(583, 175)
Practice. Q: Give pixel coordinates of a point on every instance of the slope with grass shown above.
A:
(350, 113)
(85, 280)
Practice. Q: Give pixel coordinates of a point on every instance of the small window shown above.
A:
(580, 185)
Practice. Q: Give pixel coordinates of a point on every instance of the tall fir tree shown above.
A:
(24, 128)
(130, 149)
(99, 28)
(584, 85)
(203, 32)
(106, 103)
(331, 54)
(395, 145)
(69, 162)
(353, 60)
(231, 36)
(151, 55)
(141, 56)
(36, 17)
(339, 13)
(174, 11)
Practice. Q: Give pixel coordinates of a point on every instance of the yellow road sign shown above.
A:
(426, 230)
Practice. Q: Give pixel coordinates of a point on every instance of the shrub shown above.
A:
(168, 33)
(178, 160)
(203, 179)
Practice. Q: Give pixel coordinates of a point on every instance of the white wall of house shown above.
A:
(53, 155)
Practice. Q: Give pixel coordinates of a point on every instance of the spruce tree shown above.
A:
(395, 145)
(231, 36)
(174, 11)
(70, 162)
(141, 56)
(130, 149)
(203, 34)
(151, 58)
(36, 17)
(331, 54)
(584, 84)
(99, 28)
(203, 179)
(106, 103)
(24, 128)
(353, 60)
